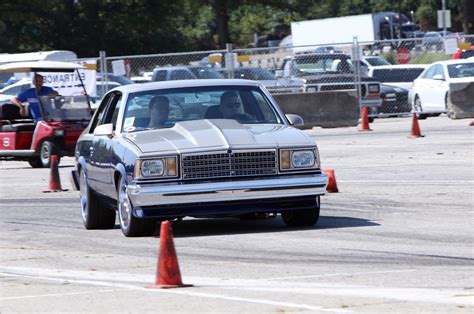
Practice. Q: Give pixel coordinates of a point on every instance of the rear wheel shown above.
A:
(95, 215)
(48, 149)
(131, 226)
(302, 217)
(419, 108)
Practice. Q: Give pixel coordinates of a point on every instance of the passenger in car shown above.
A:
(31, 96)
(159, 110)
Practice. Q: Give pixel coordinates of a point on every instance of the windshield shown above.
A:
(377, 61)
(460, 70)
(206, 73)
(65, 108)
(254, 74)
(397, 75)
(246, 104)
(322, 65)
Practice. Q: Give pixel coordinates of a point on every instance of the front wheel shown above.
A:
(131, 226)
(48, 149)
(95, 215)
(419, 108)
(302, 217)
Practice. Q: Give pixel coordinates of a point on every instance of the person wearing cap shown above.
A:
(31, 97)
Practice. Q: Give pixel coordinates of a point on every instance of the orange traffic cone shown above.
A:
(364, 124)
(332, 185)
(415, 128)
(54, 180)
(167, 270)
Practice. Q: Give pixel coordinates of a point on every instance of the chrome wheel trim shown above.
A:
(83, 189)
(124, 206)
(45, 153)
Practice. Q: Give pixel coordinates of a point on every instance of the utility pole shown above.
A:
(443, 8)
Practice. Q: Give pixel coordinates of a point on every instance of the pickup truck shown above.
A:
(315, 72)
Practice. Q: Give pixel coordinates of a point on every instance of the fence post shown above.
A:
(103, 71)
(229, 61)
(357, 73)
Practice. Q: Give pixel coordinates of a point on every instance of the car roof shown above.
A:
(184, 83)
(402, 66)
(454, 61)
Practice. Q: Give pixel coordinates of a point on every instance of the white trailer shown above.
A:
(334, 30)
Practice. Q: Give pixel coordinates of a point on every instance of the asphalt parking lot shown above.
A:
(398, 238)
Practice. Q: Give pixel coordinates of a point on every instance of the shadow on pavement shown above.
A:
(225, 226)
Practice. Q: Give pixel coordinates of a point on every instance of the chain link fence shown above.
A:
(382, 75)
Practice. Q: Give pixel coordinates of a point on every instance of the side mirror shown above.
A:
(438, 77)
(104, 129)
(295, 120)
(279, 73)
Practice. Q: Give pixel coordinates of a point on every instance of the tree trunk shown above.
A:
(222, 21)
(468, 23)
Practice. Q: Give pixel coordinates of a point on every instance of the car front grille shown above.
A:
(229, 164)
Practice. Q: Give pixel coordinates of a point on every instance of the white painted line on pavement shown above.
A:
(433, 295)
(59, 294)
(181, 292)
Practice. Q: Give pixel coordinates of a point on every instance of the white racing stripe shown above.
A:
(137, 282)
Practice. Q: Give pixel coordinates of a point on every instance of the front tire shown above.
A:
(48, 149)
(419, 108)
(302, 217)
(95, 215)
(131, 226)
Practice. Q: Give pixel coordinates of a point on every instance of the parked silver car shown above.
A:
(200, 148)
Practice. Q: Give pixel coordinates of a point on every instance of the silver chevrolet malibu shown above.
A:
(198, 148)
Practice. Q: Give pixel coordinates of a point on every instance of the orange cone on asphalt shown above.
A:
(167, 270)
(415, 128)
(332, 185)
(364, 124)
(54, 180)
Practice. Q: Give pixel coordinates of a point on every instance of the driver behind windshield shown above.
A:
(31, 97)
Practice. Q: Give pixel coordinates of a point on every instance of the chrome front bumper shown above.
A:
(207, 192)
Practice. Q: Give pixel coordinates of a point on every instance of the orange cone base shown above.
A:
(415, 136)
(54, 191)
(167, 286)
(364, 130)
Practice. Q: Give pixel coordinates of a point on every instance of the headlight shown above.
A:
(302, 159)
(311, 90)
(59, 132)
(299, 159)
(156, 168)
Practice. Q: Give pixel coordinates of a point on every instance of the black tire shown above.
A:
(95, 215)
(131, 226)
(302, 217)
(47, 149)
(35, 163)
(419, 108)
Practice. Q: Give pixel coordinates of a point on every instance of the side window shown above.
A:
(181, 75)
(160, 76)
(439, 71)
(111, 114)
(99, 115)
(430, 72)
